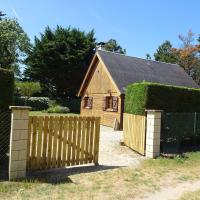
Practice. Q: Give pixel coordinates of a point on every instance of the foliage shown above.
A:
(6, 88)
(145, 95)
(188, 56)
(165, 53)
(1, 15)
(59, 60)
(113, 46)
(148, 56)
(58, 109)
(14, 44)
(27, 88)
(20, 100)
(72, 103)
(38, 103)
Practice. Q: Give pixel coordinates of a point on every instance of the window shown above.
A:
(110, 103)
(87, 102)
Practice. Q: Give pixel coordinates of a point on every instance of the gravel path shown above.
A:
(112, 153)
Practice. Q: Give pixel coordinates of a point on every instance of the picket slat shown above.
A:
(39, 140)
(83, 139)
(50, 139)
(69, 142)
(65, 140)
(57, 141)
(91, 139)
(44, 153)
(87, 140)
(33, 157)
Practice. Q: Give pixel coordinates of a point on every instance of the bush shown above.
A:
(58, 109)
(20, 101)
(145, 95)
(72, 103)
(38, 103)
(6, 88)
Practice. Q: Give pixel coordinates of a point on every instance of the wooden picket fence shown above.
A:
(59, 141)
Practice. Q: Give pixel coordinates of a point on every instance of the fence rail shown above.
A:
(58, 141)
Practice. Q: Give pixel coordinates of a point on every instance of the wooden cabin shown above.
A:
(103, 89)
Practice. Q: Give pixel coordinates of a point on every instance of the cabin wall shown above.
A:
(99, 86)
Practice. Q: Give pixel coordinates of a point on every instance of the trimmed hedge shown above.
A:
(146, 95)
(6, 88)
(38, 103)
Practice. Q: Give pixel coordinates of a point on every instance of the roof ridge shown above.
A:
(136, 57)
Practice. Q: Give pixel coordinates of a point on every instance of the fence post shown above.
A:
(153, 131)
(18, 142)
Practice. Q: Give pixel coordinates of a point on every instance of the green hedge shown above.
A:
(146, 95)
(6, 88)
(38, 103)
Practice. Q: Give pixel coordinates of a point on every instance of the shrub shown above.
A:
(38, 103)
(58, 109)
(20, 101)
(6, 88)
(145, 95)
(72, 103)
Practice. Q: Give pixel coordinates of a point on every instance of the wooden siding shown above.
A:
(99, 86)
(134, 132)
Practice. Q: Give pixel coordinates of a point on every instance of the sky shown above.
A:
(139, 26)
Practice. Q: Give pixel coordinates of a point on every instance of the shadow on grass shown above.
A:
(61, 175)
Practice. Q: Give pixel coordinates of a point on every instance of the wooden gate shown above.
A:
(58, 141)
(134, 132)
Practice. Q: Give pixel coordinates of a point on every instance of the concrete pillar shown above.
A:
(153, 131)
(18, 142)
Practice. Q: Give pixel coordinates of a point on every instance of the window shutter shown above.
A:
(83, 103)
(90, 102)
(115, 103)
(104, 103)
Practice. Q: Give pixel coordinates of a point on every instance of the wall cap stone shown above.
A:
(20, 107)
(150, 110)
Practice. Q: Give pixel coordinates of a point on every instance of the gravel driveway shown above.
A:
(112, 153)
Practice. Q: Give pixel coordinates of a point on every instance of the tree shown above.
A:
(188, 55)
(14, 44)
(59, 60)
(165, 53)
(27, 88)
(1, 15)
(148, 56)
(113, 46)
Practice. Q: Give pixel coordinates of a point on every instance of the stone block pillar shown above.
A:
(18, 142)
(153, 131)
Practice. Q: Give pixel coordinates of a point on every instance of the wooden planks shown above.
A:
(58, 141)
(134, 132)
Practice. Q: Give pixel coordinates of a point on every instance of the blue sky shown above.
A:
(138, 25)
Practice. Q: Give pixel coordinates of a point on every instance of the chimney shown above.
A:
(100, 45)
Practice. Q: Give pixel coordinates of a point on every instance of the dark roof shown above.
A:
(126, 70)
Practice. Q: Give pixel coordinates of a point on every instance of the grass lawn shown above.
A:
(119, 183)
(43, 113)
(191, 196)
